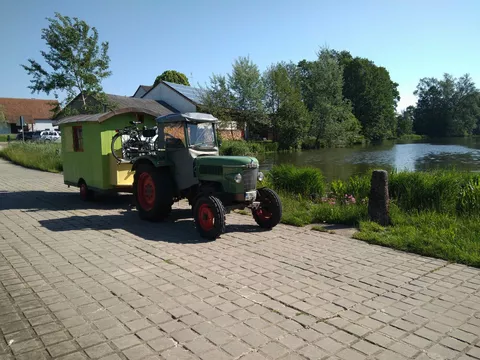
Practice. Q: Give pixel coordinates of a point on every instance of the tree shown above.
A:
(218, 100)
(322, 83)
(373, 94)
(3, 118)
(405, 121)
(248, 92)
(447, 107)
(172, 76)
(289, 116)
(78, 63)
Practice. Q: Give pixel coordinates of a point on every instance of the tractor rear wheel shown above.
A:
(209, 216)
(269, 213)
(153, 192)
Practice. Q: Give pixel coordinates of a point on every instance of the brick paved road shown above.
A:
(92, 281)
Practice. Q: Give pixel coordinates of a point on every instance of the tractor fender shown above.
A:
(150, 160)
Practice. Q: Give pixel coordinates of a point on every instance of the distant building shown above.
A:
(182, 98)
(37, 114)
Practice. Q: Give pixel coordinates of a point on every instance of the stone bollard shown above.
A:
(379, 200)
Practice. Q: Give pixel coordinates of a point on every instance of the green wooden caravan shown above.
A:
(88, 162)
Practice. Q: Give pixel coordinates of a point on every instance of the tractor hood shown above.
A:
(229, 161)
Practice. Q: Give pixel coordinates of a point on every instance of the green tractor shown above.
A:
(185, 164)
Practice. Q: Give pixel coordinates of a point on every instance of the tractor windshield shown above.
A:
(201, 135)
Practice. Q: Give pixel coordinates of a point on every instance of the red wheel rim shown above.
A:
(263, 214)
(83, 191)
(205, 217)
(146, 191)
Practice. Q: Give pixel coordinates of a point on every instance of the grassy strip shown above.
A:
(433, 213)
(4, 137)
(444, 236)
(44, 157)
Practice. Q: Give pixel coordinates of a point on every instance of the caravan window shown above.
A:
(77, 139)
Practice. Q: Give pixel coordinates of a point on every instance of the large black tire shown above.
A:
(153, 192)
(269, 213)
(209, 216)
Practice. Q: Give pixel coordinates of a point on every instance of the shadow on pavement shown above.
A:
(178, 227)
(44, 200)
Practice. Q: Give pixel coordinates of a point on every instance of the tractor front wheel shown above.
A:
(153, 192)
(209, 216)
(269, 213)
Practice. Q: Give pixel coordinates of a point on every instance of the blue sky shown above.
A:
(411, 38)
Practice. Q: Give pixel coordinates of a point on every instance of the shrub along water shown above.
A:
(247, 148)
(40, 156)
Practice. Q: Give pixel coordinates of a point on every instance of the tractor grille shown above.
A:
(210, 170)
(249, 177)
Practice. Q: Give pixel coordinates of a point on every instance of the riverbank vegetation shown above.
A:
(32, 155)
(337, 100)
(432, 213)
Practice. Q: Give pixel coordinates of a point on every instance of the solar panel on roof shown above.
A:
(187, 91)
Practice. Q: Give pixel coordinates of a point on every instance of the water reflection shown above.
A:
(462, 154)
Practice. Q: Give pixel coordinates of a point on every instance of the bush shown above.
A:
(235, 148)
(305, 181)
(247, 148)
(39, 156)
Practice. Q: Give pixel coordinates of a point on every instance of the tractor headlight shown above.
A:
(238, 178)
(260, 176)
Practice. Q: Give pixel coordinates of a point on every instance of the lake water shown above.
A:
(341, 163)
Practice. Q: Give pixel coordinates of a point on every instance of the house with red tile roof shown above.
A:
(37, 114)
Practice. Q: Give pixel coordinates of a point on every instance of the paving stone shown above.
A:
(330, 345)
(274, 350)
(25, 346)
(184, 335)
(98, 351)
(161, 344)
(149, 334)
(54, 338)
(215, 354)
(90, 339)
(62, 348)
(236, 348)
(126, 341)
(199, 346)
(137, 352)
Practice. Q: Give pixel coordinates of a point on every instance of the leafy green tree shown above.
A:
(374, 96)
(77, 62)
(289, 115)
(3, 118)
(405, 121)
(248, 93)
(447, 106)
(218, 100)
(332, 118)
(172, 76)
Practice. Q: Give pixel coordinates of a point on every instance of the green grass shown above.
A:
(44, 157)
(444, 236)
(4, 137)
